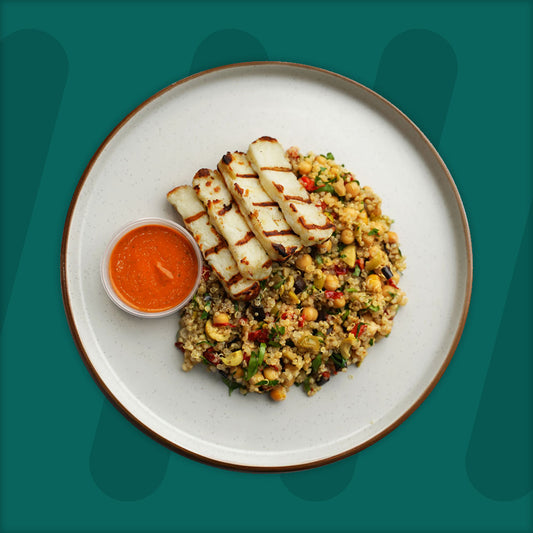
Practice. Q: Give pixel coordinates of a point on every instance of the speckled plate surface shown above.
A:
(189, 125)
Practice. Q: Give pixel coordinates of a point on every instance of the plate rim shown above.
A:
(189, 453)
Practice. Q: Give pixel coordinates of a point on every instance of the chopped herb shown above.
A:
(338, 360)
(371, 342)
(392, 294)
(346, 313)
(232, 385)
(319, 260)
(317, 361)
(342, 256)
(306, 384)
(205, 361)
(351, 289)
(204, 315)
(374, 308)
(329, 156)
(341, 246)
(319, 334)
(400, 252)
(271, 383)
(235, 306)
(373, 231)
(274, 344)
(279, 283)
(262, 283)
(326, 188)
(256, 360)
(357, 271)
(206, 342)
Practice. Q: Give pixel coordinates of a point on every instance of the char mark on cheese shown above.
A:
(277, 169)
(245, 239)
(240, 190)
(278, 186)
(215, 249)
(327, 225)
(203, 173)
(224, 210)
(275, 233)
(265, 204)
(248, 176)
(188, 220)
(227, 158)
(288, 197)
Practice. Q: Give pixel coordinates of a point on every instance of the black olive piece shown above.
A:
(258, 312)
(322, 315)
(386, 271)
(289, 342)
(322, 379)
(299, 285)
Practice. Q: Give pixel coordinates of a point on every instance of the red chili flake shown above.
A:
(334, 295)
(326, 375)
(211, 356)
(284, 316)
(179, 345)
(260, 335)
(308, 184)
(359, 329)
(206, 271)
(340, 270)
(392, 284)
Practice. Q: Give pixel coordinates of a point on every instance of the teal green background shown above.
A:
(70, 71)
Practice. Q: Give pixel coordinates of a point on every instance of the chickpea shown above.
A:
(331, 283)
(309, 314)
(278, 393)
(352, 188)
(347, 236)
(304, 261)
(321, 159)
(220, 318)
(339, 302)
(324, 247)
(238, 372)
(256, 378)
(339, 187)
(270, 373)
(373, 283)
(305, 167)
(393, 237)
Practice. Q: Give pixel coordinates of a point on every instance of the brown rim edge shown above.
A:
(206, 460)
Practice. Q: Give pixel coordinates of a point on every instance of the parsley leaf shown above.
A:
(256, 360)
(338, 360)
(373, 231)
(357, 271)
(232, 385)
(371, 342)
(326, 188)
(317, 361)
(329, 156)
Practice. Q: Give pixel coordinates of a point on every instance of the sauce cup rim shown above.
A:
(104, 266)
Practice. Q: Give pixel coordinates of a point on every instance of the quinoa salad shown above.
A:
(318, 312)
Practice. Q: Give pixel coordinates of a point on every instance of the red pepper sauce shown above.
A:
(153, 268)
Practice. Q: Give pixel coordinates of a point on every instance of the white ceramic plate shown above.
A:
(190, 125)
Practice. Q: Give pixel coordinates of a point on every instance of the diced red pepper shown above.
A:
(179, 345)
(260, 335)
(211, 356)
(360, 263)
(334, 295)
(308, 184)
(206, 271)
(392, 284)
(340, 270)
(358, 329)
(301, 321)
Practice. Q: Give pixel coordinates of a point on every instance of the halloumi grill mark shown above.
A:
(212, 245)
(252, 260)
(269, 161)
(263, 215)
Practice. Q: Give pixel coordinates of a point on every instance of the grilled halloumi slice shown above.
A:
(269, 161)
(212, 245)
(263, 214)
(224, 213)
